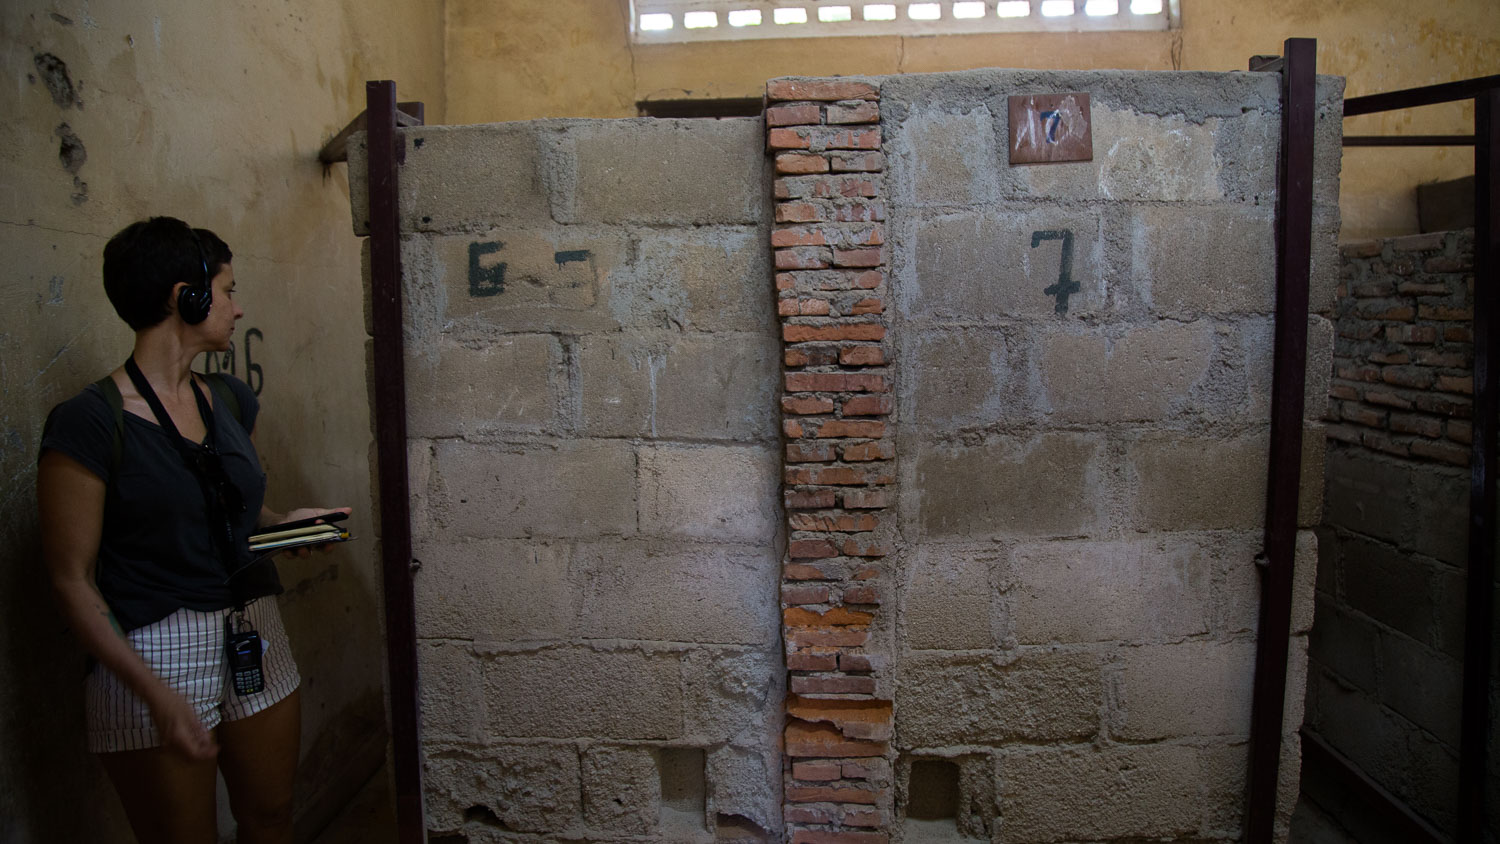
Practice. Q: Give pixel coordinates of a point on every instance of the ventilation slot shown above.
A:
(738, 828)
(682, 791)
(932, 800)
(484, 816)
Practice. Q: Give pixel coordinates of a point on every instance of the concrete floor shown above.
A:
(371, 819)
(1310, 825)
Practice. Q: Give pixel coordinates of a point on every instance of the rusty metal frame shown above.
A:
(1479, 610)
(1408, 140)
(387, 150)
(1446, 92)
(1294, 203)
(1386, 810)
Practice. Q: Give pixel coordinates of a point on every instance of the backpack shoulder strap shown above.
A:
(226, 395)
(116, 402)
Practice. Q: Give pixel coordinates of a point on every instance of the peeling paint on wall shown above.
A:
(54, 73)
(71, 151)
(72, 155)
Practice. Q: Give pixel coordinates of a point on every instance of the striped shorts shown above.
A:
(186, 650)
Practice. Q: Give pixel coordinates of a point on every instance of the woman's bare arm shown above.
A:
(71, 502)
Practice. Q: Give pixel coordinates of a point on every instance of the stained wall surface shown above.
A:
(1083, 476)
(213, 113)
(591, 383)
(573, 58)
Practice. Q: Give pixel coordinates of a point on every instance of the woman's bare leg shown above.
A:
(167, 796)
(258, 756)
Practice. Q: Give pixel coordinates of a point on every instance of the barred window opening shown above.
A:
(667, 21)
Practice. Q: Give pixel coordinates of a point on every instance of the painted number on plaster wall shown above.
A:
(228, 362)
(487, 273)
(1065, 285)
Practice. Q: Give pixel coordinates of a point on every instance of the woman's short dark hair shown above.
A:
(147, 258)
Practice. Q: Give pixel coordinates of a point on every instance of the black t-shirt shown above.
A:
(157, 553)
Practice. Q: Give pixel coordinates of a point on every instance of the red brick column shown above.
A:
(832, 290)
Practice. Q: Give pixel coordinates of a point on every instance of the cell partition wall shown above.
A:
(892, 467)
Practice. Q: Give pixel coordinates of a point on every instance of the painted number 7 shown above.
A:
(1065, 285)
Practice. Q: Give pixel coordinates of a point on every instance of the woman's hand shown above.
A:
(179, 727)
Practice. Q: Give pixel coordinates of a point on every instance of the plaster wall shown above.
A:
(213, 113)
(573, 58)
(1082, 491)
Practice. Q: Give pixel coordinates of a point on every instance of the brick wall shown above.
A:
(1386, 673)
(832, 291)
(1403, 361)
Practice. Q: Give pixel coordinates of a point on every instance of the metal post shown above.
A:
(1293, 262)
(386, 151)
(1479, 613)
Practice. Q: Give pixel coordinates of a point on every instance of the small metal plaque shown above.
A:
(1050, 128)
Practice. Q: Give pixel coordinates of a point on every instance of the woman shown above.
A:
(146, 497)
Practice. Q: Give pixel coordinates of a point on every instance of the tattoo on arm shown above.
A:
(114, 622)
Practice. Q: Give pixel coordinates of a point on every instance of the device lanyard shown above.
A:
(220, 496)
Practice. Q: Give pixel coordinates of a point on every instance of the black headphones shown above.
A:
(194, 303)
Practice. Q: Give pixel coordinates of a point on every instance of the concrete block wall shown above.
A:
(1387, 646)
(592, 392)
(1014, 594)
(1081, 491)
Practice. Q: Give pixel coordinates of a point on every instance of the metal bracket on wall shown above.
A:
(1267, 64)
(337, 148)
